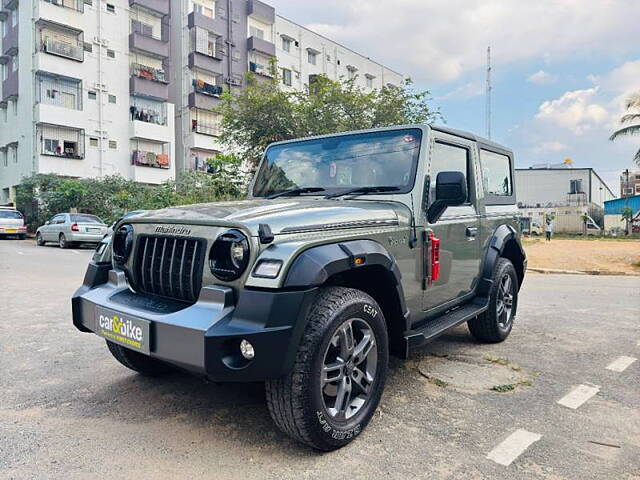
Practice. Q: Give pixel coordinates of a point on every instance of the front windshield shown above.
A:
(385, 158)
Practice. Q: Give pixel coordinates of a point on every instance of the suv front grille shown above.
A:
(169, 266)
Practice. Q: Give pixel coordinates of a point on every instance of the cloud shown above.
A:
(541, 78)
(437, 42)
(463, 92)
(575, 110)
(553, 146)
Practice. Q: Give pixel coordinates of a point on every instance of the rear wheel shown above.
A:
(39, 239)
(138, 362)
(339, 373)
(62, 241)
(496, 323)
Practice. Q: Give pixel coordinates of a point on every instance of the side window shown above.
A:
(496, 174)
(447, 158)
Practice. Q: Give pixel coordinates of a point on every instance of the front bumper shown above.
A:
(204, 338)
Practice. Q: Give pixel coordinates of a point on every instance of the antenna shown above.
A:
(488, 95)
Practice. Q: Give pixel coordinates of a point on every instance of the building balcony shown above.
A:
(262, 11)
(216, 25)
(60, 141)
(150, 45)
(63, 49)
(10, 86)
(262, 46)
(57, 115)
(205, 62)
(10, 40)
(148, 73)
(161, 7)
(202, 101)
(144, 158)
(77, 5)
(260, 69)
(157, 127)
(148, 88)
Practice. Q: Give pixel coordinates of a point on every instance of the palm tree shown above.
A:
(631, 117)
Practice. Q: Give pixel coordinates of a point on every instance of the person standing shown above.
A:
(549, 229)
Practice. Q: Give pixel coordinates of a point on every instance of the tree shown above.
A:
(627, 216)
(264, 112)
(630, 122)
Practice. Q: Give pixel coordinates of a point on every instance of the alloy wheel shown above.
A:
(349, 369)
(62, 242)
(504, 301)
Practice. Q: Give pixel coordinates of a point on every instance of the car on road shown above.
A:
(12, 223)
(68, 229)
(350, 247)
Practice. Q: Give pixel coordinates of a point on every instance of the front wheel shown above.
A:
(39, 239)
(339, 372)
(496, 323)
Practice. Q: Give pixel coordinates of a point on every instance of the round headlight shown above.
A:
(229, 255)
(122, 243)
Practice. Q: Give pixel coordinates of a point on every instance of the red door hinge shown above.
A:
(435, 258)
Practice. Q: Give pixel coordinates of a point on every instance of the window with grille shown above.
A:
(60, 91)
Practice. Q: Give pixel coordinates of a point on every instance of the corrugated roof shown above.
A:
(614, 207)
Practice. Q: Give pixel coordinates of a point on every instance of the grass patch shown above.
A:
(438, 382)
(504, 388)
(498, 360)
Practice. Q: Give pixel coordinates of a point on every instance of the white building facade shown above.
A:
(84, 90)
(90, 88)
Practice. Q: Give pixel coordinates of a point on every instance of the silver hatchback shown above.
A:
(67, 229)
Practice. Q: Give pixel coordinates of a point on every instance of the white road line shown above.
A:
(513, 446)
(20, 253)
(621, 363)
(76, 252)
(578, 396)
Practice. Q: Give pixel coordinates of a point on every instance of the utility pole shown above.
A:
(488, 95)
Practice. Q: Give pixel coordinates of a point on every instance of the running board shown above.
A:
(436, 327)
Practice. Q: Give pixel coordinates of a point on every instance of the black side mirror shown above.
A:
(451, 190)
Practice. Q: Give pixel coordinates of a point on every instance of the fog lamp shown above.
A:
(247, 351)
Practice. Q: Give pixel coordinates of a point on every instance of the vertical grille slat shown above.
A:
(169, 266)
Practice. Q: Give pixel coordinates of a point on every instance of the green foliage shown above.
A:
(41, 196)
(630, 122)
(264, 112)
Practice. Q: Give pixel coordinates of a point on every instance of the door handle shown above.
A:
(471, 232)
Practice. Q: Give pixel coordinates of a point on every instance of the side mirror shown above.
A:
(47, 222)
(451, 190)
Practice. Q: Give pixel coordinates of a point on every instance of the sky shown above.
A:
(562, 69)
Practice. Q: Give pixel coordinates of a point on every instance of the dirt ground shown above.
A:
(585, 255)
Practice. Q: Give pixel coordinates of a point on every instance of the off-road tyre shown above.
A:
(138, 362)
(39, 240)
(490, 326)
(296, 401)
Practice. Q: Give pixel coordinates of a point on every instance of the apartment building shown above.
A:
(101, 87)
(630, 183)
(303, 54)
(216, 42)
(84, 90)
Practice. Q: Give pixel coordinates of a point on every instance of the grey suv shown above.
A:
(349, 248)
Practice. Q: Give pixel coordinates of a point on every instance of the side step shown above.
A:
(437, 326)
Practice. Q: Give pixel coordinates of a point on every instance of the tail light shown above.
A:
(435, 258)
(75, 227)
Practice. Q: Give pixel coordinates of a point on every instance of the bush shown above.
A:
(41, 196)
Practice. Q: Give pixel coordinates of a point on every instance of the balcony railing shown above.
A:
(260, 69)
(142, 158)
(58, 141)
(77, 5)
(205, 88)
(75, 51)
(148, 73)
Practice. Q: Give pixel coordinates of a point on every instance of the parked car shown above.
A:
(12, 223)
(351, 247)
(67, 229)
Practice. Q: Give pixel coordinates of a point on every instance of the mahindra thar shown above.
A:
(349, 248)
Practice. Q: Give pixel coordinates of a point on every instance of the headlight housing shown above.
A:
(229, 255)
(122, 243)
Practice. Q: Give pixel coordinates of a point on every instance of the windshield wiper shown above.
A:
(362, 190)
(296, 191)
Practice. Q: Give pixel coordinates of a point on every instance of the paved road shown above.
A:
(68, 410)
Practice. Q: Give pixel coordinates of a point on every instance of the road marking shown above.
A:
(621, 363)
(76, 252)
(20, 253)
(578, 396)
(513, 446)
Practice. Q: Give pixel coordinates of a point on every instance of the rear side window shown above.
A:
(496, 174)
(447, 158)
(77, 218)
(12, 214)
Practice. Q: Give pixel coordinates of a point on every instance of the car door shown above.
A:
(56, 227)
(457, 228)
(46, 229)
